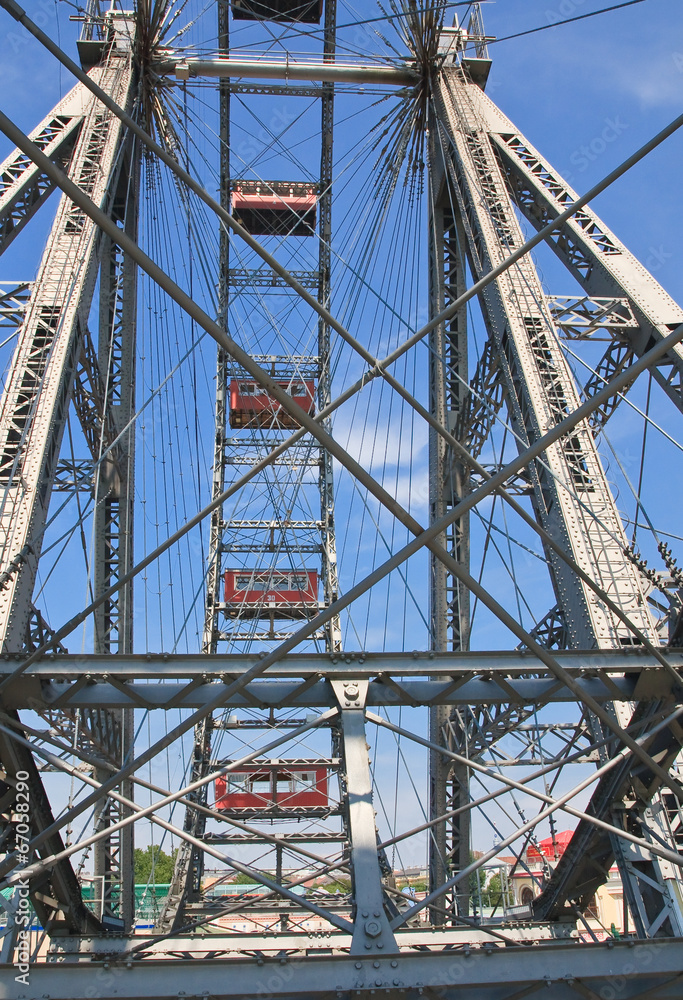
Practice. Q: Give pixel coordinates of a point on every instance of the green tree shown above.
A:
(489, 887)
(242, 879)
(493, 894)
(341, 885)
(156, 860)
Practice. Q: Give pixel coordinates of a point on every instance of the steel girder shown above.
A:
(23, 187)
(449, 608)
(628, 970)
(34, 407)
(14, 299)
(94, 730)
(526, 988)
(89, 403)
(572, 499)
(186, 881)
(56, 893)
(628, 797)
(113, 373)
(591, 317)
(589, 249)
(467, 679)
(330, 576)
(571, 493)
(372, 933)
(482, 404)
(36, 398)
(264, 537)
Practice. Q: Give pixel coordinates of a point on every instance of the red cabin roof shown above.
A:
(252, 406)
(275, 208)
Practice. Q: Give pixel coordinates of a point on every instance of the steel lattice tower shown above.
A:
(273, 647)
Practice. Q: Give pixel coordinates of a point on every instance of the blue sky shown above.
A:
(586, 95)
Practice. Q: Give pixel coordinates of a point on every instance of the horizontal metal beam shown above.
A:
(227, 943)
(487, 973)
(280, 694)
(158, 666)
(286, 69)
(187, 681)
(284, 839)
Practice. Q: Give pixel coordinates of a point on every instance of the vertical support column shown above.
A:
(372, 933)
(449, 600)
(329, 545)
(39, 386)
(188, 872)
(438, 592)
(541, 389)
(209, 644)
(114, 494)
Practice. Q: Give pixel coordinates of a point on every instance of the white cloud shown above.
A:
(657, 84)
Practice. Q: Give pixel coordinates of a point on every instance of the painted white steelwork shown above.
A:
(373, 939)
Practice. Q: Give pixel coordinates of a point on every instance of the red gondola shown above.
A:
(277, 208)
(305, 11)
(251, 406)
(278, 784)
(255, 593)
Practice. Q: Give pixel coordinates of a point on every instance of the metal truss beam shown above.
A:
(55, 894)
(536, 739)
(106, 413)
(371, 931)
(160, 666)
(551, 630)
(448, 479)
(618, 357)
(595, 256)
(34, 405)
(73, 474)
(571, 495)
(639, 970)
(89, 401)
(23, 186)
(262, 278)
(188, 870)
(572, 498)
(651, 889)
(329, 573)
(234, 451)
(91, 729)
(550, 662)
(32, 420)
(14, 298)
(591, 318)
(482, 404)
(200, 947)
(479, 678)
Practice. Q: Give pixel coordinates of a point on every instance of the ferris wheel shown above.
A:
(340, 601)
